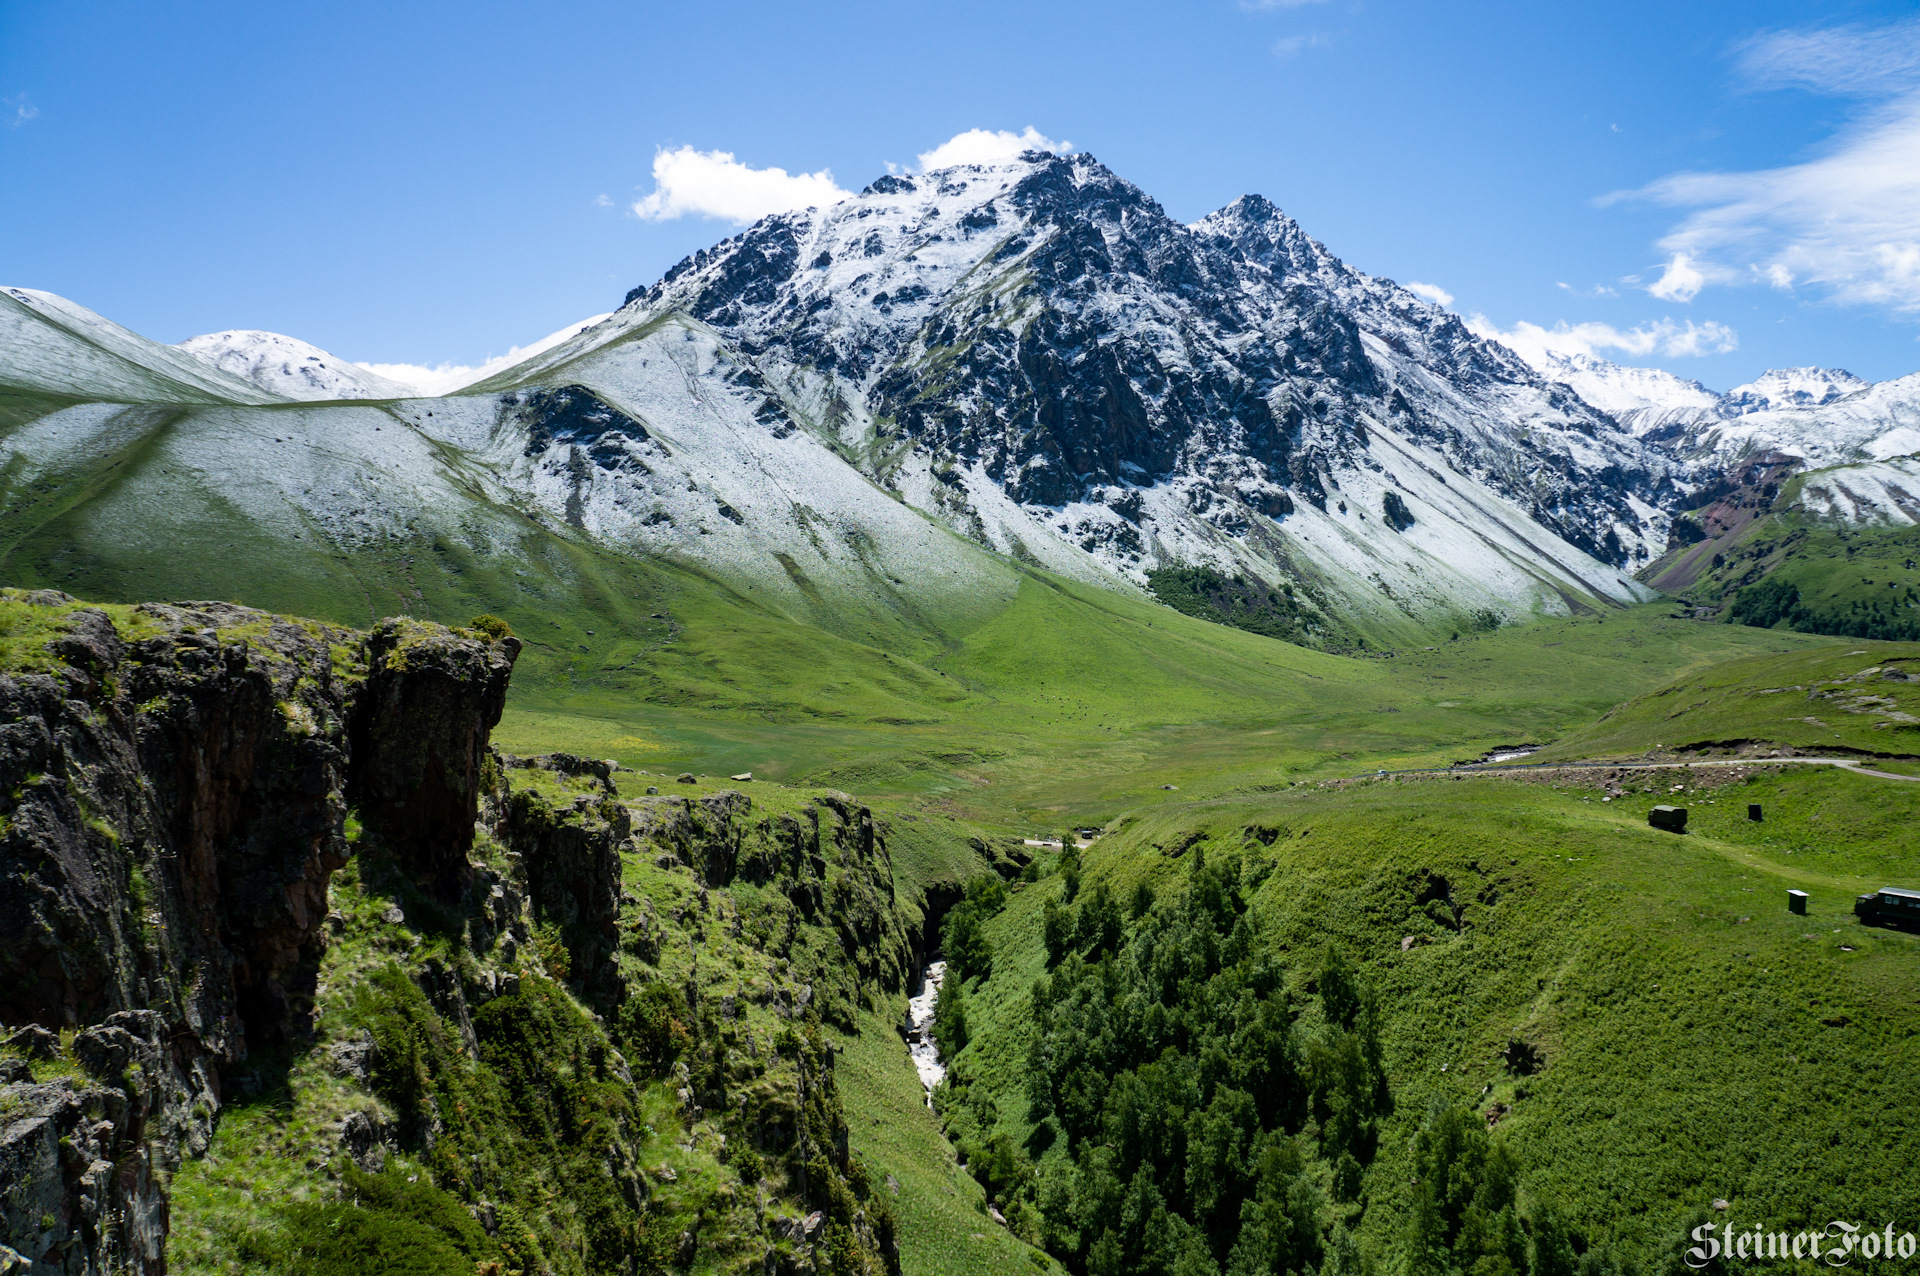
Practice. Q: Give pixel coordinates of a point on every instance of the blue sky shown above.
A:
(1716, 188)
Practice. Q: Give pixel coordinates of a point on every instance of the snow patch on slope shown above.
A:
(54, 346)
(289, 367)
(1877, 494)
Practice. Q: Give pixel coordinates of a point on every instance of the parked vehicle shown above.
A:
(1890, 906)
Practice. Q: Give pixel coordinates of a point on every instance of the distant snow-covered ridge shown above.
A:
(1823, 416)
(290, 367)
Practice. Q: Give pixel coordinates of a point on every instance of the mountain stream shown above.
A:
(920, 1042)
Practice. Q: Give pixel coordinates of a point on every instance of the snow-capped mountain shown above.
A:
(1781, 389)
(1825, 416)
(894, 398)
(1037, 356)
(1636, 397)
(290, 367)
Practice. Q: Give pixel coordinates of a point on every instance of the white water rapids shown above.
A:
(920, 1043)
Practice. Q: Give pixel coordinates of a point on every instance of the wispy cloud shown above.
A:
(1680, 280)
(1849, 59)
(1293, 45)
(448, 377)
(715, 184)
(1661, 337)
(988, 146)
(1432, 292)
(17, 110)
(1845, 223)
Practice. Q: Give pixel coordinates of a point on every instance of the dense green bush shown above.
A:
(1243, 602)
(963, 936)
(380, 1222)
(654, 1023)
(1774, 600)
(950, 1016)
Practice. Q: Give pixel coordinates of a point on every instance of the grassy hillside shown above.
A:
(1859, 697)
(1680, 1036)
(1780, 567)
(1034, 700)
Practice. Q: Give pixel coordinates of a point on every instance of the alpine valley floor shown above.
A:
(1283, 1014)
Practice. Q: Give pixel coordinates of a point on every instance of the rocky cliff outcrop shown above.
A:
(255, 859)
(174, 785)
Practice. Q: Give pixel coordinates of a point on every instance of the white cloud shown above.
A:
(449, 377)
(1432, 292)
(17, 110)
(715, 184)
(1294, 44)
(1662, 337)
(988, 146)
(1846, 222)
(603, 201)
(1679, 281)
(1849, 59)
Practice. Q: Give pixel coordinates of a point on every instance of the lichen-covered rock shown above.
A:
(78, 1188)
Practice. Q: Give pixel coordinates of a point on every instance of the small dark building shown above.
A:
(1797, 902)
(1753, 812)
(1671, 818)
(1890, 906)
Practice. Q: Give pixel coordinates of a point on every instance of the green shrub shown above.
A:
(380, 1222)
(654, 1023)
(950, 1016)
(490, 625)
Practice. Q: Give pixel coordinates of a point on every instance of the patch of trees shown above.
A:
(1244, 603)
(1771, 601)
(1195, 1109)
(1219, 1119)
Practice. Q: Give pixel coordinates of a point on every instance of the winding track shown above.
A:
(1847, 764)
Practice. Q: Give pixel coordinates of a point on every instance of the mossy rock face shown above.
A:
(279, 881)
(174, 789)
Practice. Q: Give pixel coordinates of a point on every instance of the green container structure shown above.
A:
(1671, 818)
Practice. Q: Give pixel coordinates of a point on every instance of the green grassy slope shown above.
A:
(1700, 1042)
(1843, 698)
(1080, 705)
(1784, 568)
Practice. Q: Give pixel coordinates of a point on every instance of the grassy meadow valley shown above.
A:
(983, 724)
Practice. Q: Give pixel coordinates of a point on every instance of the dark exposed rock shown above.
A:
(174, 792)
(573, 416)
(422, 720)
(570, 853)
(34, 1042)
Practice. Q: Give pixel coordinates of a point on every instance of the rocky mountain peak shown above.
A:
(1155, 392)
(1779, 388)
